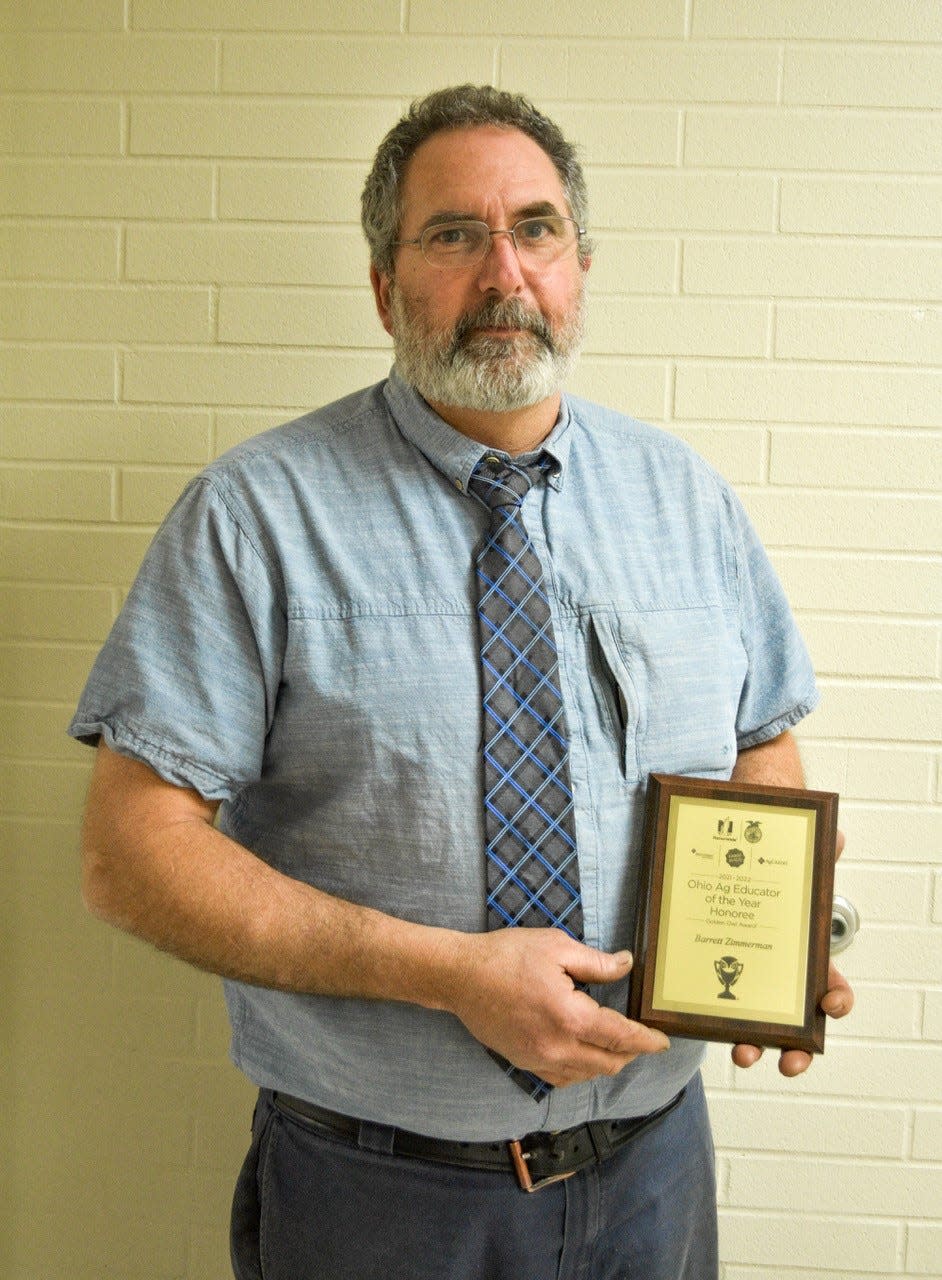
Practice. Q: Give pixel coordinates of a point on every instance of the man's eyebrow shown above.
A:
(537, 209)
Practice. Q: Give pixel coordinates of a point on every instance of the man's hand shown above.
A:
(836, 1003)
(516, 993)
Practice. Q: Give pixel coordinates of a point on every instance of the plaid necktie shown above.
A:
(532, 869)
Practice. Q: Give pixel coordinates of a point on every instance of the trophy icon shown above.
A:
(728, 969)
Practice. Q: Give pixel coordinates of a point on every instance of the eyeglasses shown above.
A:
(465, 241)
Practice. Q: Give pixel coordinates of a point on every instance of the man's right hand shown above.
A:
(516, 992)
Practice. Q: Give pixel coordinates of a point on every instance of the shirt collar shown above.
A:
(456, 455)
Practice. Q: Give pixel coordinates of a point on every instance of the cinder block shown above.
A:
(844, 582)
(923, 1248)
(51, 15)
(241, 377)
(296, 193)
(44, 126)
(626, 264)
(39, 731)
(35, 612)
(927, 1135)
(896, 953)
(873, 335)
(869, 1247)
(254, 126)
(350, 64)
(795, 393)
(301, 317)
(675, 326)
(932, 1017)
(662, 19)
(113, 434)
(266, 15)
(55, 493)
(897, 713)
(737, 452)
(45, 672)
(119, 63)
(896, 835)
(875, 76)
(123, 313)
(240, 255)
(863, 459)
(77, 555)
(233, 426)
(656, 72)
(880, 1012)
(843, 20)
(635, 200)
(621, 135)
(763, 1124)
(33, 789)
(889, 773)
(863, 647)
(34, 251)
(57, 373)
(107, 189)
(862, 1187)
(791, 138)
(855, 522)
(860, 206)
(783, 267)
(147, 495)
(635, 388)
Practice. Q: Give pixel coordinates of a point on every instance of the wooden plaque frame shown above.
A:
(803, 864)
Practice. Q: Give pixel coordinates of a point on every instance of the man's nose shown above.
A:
(500, 269)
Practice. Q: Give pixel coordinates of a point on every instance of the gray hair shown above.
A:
(461, 107)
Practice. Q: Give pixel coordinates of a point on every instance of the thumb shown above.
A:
(590, 965)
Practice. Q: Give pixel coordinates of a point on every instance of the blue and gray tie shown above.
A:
(532, 869)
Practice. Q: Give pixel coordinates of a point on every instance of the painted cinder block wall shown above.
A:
(181, 266)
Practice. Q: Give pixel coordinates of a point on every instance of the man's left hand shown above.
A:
(836, 1003)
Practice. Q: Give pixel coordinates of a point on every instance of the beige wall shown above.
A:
(182, 266)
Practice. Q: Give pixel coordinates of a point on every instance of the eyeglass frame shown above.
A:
(491, 232)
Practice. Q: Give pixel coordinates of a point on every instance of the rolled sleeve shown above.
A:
(779, 687)
(188, 679)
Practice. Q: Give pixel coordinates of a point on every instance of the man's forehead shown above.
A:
(460, 170)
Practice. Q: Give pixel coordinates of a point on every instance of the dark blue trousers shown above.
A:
(312, 1207)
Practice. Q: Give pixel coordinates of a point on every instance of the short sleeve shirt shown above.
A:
(301, 645)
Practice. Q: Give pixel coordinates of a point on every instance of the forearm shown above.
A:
(775, 763)
(154, 865)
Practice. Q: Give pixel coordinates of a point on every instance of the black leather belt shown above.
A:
(537, 1159)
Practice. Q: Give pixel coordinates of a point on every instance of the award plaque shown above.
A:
(734, 916)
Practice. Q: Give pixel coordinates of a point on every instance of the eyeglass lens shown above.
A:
(462, 242)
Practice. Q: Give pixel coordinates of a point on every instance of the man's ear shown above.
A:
(382, 284)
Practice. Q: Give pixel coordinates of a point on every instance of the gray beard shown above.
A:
(474, 371)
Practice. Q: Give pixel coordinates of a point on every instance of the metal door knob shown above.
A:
(844, 924)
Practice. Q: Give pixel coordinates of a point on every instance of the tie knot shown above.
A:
(499, 483)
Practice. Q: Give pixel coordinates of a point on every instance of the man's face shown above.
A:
(501, 334)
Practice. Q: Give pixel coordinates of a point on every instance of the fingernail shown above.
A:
(624, 958)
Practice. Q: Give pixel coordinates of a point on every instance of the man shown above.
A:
(290, 789)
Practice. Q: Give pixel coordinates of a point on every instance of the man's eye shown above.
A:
(536, 229)
(453, 237)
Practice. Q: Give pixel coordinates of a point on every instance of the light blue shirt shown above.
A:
(301, 644)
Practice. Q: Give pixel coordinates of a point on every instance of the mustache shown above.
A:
(496, 314)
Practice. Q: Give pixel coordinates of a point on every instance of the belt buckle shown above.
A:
(527, 1182)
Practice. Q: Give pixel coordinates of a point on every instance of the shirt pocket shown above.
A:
(680, 673)
(616, 694)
